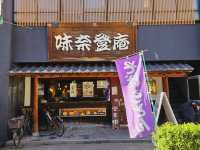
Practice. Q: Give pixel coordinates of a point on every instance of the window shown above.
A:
(196, 9)
(185, 10)
(41, 12)
(165, 11)
(94, 10)
(119, 11)
(142, 11)
(71, 10)
(74, 90)
(194, 89)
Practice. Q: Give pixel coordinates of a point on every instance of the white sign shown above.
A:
(27, 91)
(73, 89)
(88, 89)
(163, 100)
(102, 84)
(84, 42)
(1, 1)
(114, 90)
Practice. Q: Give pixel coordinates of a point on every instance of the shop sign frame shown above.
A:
(91, 50)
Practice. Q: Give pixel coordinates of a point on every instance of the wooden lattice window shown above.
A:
(36, 12)
(145, 12)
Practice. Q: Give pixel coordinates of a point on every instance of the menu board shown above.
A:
(102, 84)
(88, 89)
(73, 89)
(114, 90)
(82, 112)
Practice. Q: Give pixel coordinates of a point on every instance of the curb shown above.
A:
(66, 141)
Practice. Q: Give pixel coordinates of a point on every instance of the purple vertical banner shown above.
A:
(138, 108)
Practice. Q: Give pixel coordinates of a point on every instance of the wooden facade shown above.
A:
(35, 108)
(139, 12)
(91, 17)
(114, 109)
(118, 113)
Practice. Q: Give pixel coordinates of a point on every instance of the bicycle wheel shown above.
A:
(27, 127)
(16, 138)
(60, 129)
(21, 132)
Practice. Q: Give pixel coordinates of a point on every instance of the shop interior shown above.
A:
(77, 100)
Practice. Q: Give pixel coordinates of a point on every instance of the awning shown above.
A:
(92, 68)
(169, 67)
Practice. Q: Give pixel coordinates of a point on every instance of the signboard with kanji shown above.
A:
(94, 41)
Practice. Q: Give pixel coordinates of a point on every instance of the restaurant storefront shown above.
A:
(80, 80)
(83, 94)
(90, 89)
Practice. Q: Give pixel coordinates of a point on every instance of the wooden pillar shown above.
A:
(35, 108)
(166, 86)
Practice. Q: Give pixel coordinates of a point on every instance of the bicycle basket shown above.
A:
(16, 122)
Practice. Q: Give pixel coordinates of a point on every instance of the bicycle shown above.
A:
(56, 123)
(27, 112)
(16, 126)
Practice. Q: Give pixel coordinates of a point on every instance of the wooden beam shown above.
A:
(79, 75)
(166, 86)
(101, 74)
(169, 74)
(58, 75)
(35, 109)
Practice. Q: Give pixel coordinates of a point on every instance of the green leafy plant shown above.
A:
(177, 137)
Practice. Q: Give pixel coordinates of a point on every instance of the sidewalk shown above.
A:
(84, 133)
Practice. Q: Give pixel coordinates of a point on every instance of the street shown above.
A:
(101, 146)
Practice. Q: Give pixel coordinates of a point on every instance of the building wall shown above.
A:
(5, 61)
(164, 42)
(170, 42)
(30, 44)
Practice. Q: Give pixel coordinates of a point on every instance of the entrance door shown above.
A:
(77, 99)
(178, 90)
(178, 93)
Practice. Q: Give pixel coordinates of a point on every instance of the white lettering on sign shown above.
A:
(136, 103)
(84, 42)
(63, 43)
(130, 68)
(121, 42)
(102, 41)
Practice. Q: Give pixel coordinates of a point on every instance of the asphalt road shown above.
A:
(101, 146)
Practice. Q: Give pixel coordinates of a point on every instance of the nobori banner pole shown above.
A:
(146, 77)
